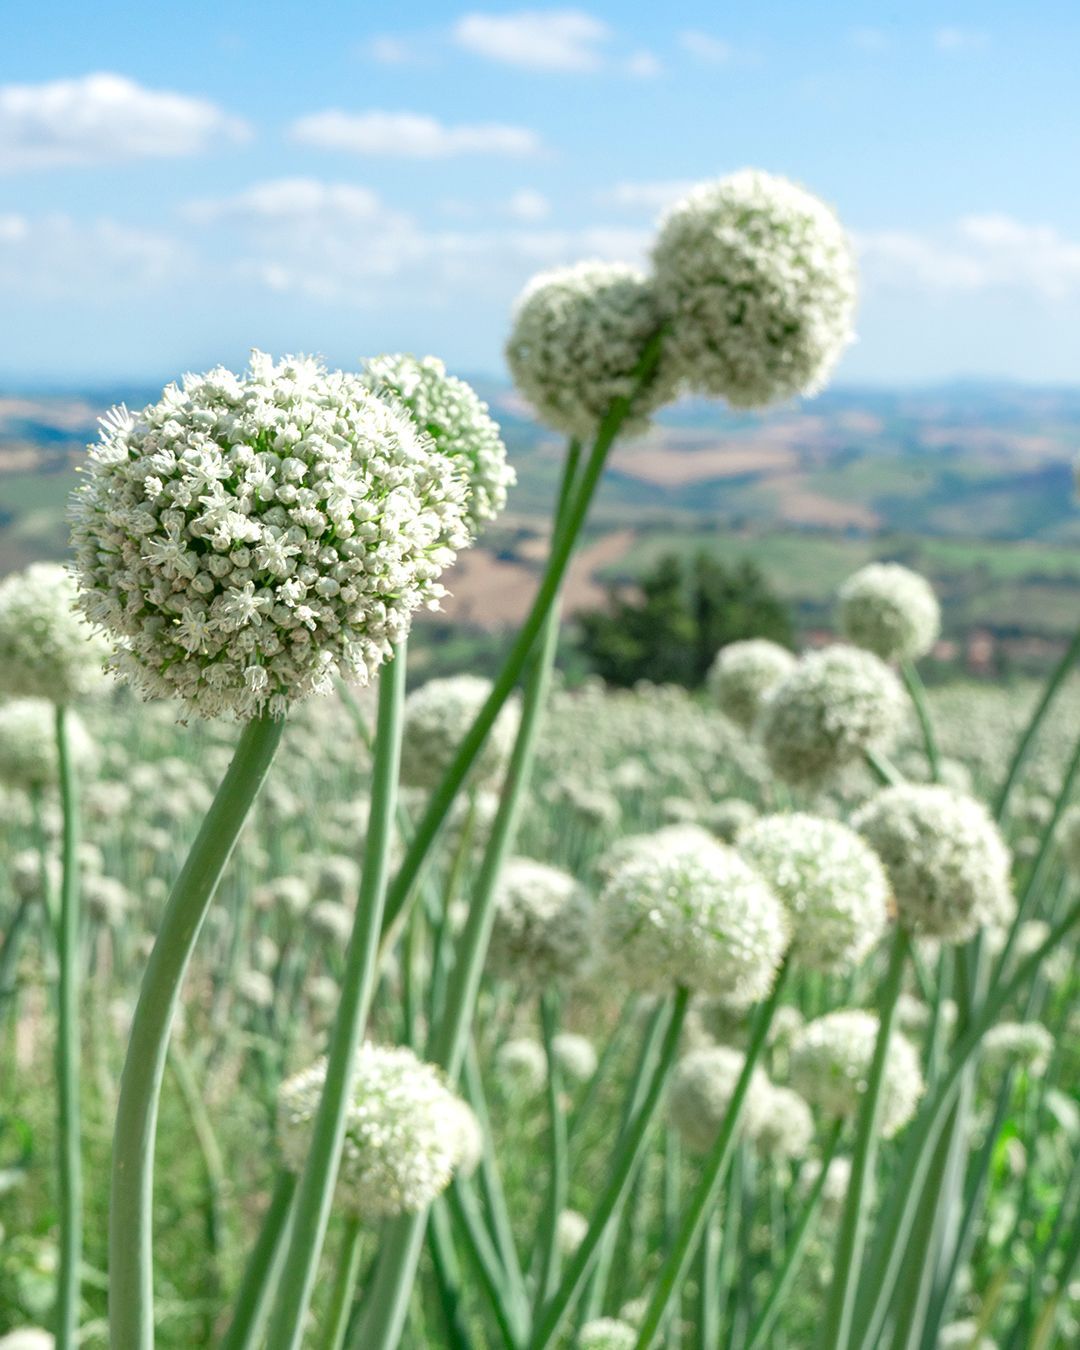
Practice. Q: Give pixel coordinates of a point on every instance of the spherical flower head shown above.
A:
(402, 1131)
(694, 915)
(28, 1338)
(837, 1184)
(543, 928)
(248, 537)
(744, 674)
(606, 1333)
(946, 860)
(1068, 839)
(702, 1087)
(830, 881)
(890, 611)
(47, 649)
(830, 1063)
(759, 278)
(28, 752)
(468, 1138)
(570, 1230)
(437, 717)
(457, 420)
(785, 1128)
(685, 835)
(578, 336)
(575, 1056)
(964, 1335)
(521, 1064)
(1016, 1045)
(835, 705)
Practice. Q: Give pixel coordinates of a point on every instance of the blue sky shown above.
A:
(346, 179)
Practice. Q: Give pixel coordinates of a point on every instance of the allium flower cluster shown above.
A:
(403, 1134)
(835, 705)
(890, 611)
(963, 1335)
(744, 674)
(543, 927)
(245, 538)
(759, 278)
(437, 717)
(521, 1064)
(702, 1087)
(1016, 1045)
(28, 753)
(456, 419)
(606, 1333)
(946, 860)
(575, 1055)
(47, 649)
(578, 335)
(832, 884)
(786, 1126)
(692, 915)
(830, 1063)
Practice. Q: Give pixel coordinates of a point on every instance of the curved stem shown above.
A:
(341, 1296)
(315, 1192)
(67, 1053)
(623, 1167)
(251, 1305)
(782, 1281)
(577, 497)
(1057, 678)
(917, 693)
(713, 1170)
(131, 1294)
(852, 1235)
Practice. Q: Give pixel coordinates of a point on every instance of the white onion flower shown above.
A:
(28, 752)
(1016, 1045)
(785, 1128)
(946, 860)
(543, 926)
(963, 1335)
(702, 1087)
(402, 1135)
(47, 649)
(890, 611)
(759, 278)
(575, 1056)
(457, 420)
(830, 1063)
(835, 705)
(578, 334)
(521, 1064)
(692, 915)
(606, 1333)
(246, 538)
(570, 1229)
(437, 717)
(832, 884)
(744, 674)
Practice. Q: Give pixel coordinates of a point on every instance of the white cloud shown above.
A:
(102, 118)
(979, 253)
(551, 39)
(410, 135)
(952, 39)
(528, 205)
(706, 48)
(643, 66)
(56, 258)
(870, 39)
(651, 197)
(390, 51)
(292, 199)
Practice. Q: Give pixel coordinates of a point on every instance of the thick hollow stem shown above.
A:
(852, 1235)
(315, 1192)
(131, 1296)
(713, 1171)
(67, 1053)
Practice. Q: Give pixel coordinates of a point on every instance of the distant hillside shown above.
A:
(971, 483)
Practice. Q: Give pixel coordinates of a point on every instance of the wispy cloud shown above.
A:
(549, 39)
(648, 196)
(978, 253)
(713, 50)
(292, 200)
(410, 135)
(953, 39)
(56, 258)
(103, 118)
(528, 205)
(390, 51)
(643, 65)
(870, 39)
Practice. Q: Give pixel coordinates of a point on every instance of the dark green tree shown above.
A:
(681, 614)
